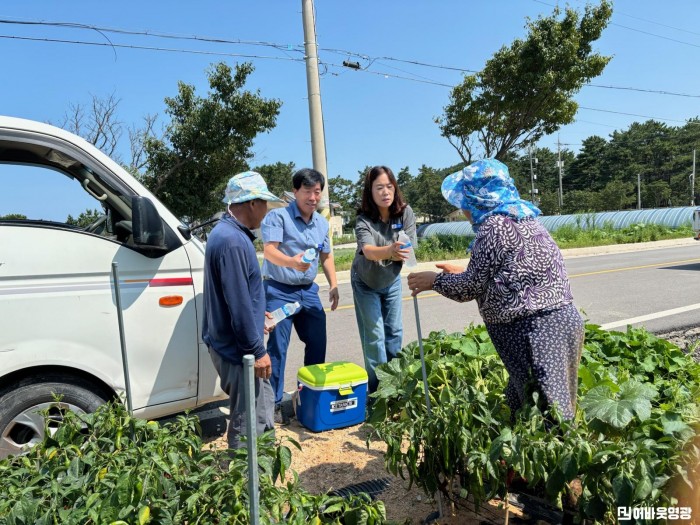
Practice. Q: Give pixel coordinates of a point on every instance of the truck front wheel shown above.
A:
(21, 421)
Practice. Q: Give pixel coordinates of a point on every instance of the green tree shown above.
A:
(656, 194)
(207, 141)
(344, 192)
(278, 176)
(526, 91)
(409, 188)
(587, 171)
(617, 195)
(85, 219)
(430, 200)
(13, 216)
(580, 201)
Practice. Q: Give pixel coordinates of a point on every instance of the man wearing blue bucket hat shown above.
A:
(517, 275)
(234, 302)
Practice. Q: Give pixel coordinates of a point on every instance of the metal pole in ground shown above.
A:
(122, 337)
(425, 382)
(251, 432)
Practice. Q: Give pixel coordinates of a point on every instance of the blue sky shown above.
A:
(371, 117)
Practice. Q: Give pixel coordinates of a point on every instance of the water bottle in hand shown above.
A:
(406, 243)
(309, 255)
(281, 313)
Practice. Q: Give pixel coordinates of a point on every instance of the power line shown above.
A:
(424, 80)
(658, 92)
(390, 75)
(656, 23)
(655, 35)
(148, 48)
(635, 115)
(155, 34)
(641, 31)
(295, 48)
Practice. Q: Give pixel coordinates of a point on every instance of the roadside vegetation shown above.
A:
(450, 247)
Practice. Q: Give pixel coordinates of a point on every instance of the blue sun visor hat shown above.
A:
(247, 186)
(486, 188)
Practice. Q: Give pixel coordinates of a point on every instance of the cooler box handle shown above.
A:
(345, 390)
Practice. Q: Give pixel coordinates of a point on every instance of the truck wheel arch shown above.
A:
(23, 395)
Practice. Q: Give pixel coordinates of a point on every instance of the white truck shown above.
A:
(696, 223)
(58, 315)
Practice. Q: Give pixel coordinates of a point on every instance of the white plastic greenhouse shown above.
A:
(671, 217)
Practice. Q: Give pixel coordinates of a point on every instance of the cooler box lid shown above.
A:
(332, 375)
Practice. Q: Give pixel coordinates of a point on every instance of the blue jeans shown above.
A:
(378, 314)
(309, 322)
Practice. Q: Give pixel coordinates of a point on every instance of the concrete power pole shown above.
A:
(639, 191)
(533, 178)
(313, 84)
(692, 182)
(560, 164)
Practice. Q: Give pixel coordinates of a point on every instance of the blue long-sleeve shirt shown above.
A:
(234, 298)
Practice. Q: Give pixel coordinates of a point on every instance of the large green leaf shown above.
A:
(618, 409)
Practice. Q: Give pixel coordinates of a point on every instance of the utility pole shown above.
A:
(560, 165)
(533, 178)
(692, 182)
(639, 191)
(313, 85)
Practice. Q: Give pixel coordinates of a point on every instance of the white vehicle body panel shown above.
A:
(57, 301)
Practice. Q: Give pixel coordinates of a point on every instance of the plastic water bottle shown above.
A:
(406, 243)
(282, 313)
(309, 255)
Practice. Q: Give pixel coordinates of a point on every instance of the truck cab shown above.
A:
(60, 331)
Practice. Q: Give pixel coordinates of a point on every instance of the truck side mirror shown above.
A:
(146, 223)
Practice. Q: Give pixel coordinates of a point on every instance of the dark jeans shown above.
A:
(309, 322)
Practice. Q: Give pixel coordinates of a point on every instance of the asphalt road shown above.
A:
(658, 288)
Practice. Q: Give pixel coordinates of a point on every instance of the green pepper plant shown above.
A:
(111, 468)
(633, 442)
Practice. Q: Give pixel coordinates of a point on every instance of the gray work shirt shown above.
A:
(380, 274)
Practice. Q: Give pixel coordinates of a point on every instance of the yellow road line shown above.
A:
(612, 270)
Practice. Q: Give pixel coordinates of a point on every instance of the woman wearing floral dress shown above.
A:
(517, 276)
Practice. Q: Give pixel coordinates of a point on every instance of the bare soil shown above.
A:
(338, 458)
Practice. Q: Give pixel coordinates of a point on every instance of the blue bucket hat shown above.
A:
(247, 186)
(486, 188)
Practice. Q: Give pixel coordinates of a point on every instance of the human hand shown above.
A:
(333, 297)
(420, 282)
(396, 253)
(263, 367)
(450, 268)
(298, 264)
(268, 328)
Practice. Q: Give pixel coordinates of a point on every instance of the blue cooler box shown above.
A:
(331, 395)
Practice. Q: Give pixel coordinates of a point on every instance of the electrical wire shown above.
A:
(299, 49)
(149, 48)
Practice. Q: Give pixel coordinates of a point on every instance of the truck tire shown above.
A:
(21, 425)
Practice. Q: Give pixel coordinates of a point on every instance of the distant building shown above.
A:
(455, 216)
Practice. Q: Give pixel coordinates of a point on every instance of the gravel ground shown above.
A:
(687, 339)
